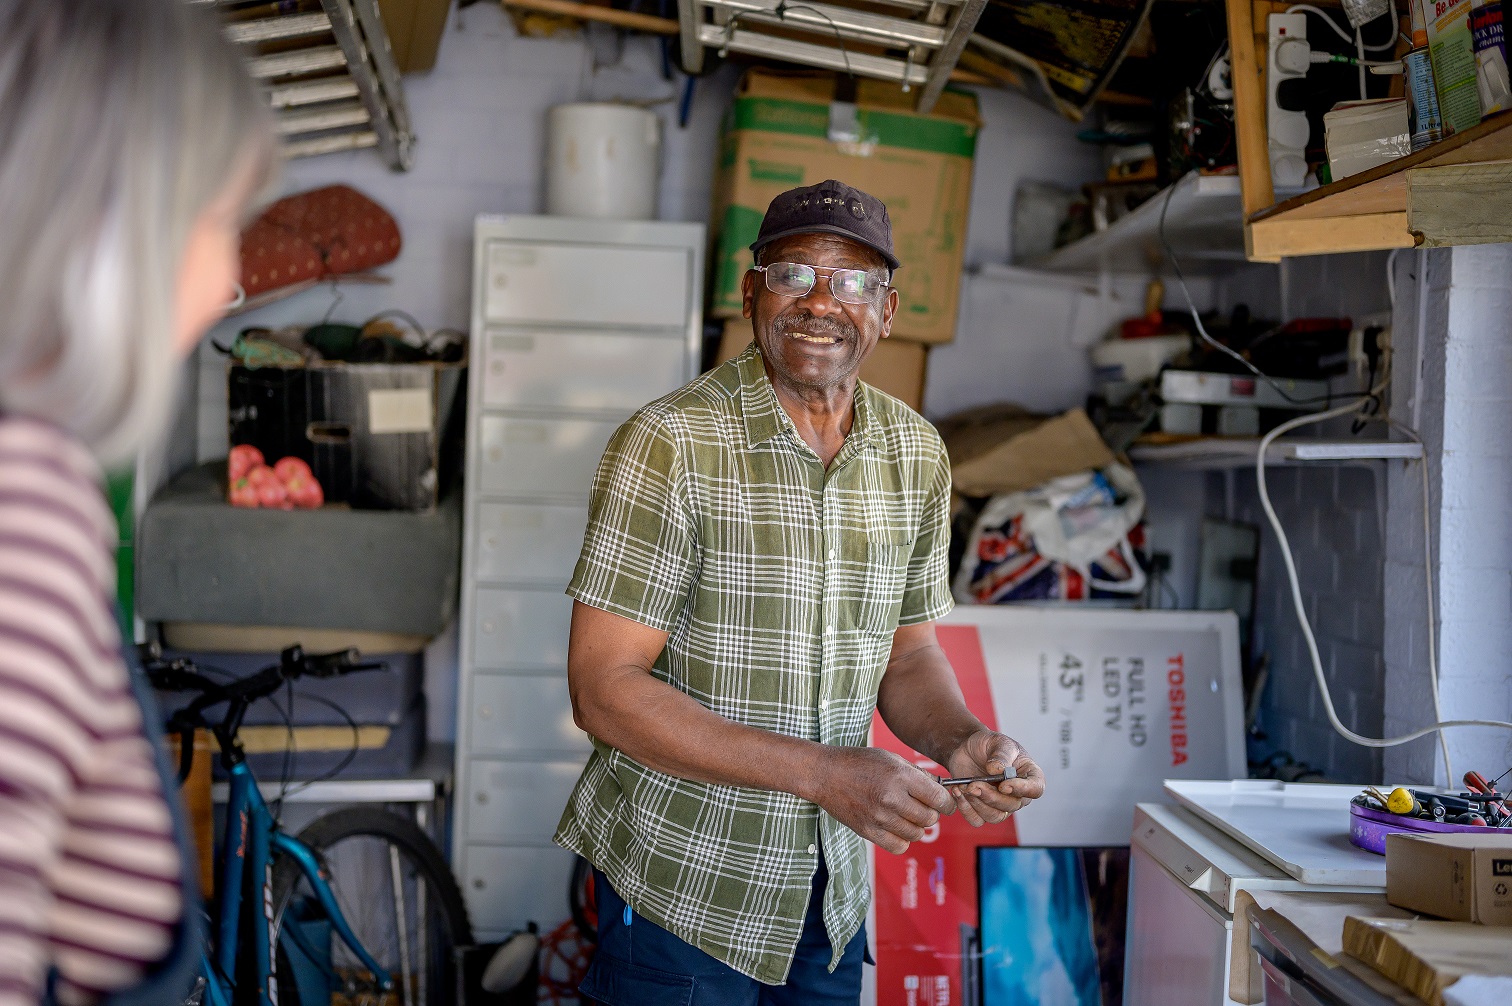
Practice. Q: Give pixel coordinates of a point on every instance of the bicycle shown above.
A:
(392, 905)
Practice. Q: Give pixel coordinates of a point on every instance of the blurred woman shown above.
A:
(131, 144)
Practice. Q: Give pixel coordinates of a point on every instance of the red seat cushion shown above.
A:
(319, 233)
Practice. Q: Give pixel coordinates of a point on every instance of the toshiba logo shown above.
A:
(1176, 694)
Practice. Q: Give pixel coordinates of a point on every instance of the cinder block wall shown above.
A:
(1333, 520)
(1335, 517)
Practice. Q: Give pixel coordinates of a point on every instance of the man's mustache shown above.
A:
(809, 325)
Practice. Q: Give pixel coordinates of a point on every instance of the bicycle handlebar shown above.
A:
(181, 675)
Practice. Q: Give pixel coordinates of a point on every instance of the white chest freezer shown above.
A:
(1185, 876)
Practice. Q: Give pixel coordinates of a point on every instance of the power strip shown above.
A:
(1288, 129)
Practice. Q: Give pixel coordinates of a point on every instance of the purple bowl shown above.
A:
(1368, 828)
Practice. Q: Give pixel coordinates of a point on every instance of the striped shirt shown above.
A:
(89, 871)
(780, 584)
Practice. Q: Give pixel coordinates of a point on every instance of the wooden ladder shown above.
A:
(329, 74)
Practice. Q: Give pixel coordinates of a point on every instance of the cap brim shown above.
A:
(887, 256)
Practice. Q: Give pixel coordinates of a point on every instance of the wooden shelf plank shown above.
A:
(1275, 238)
(1383, 189)
(1460, 204)
(1368, 211)
(1249, 105)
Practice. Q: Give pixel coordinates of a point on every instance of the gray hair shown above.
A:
(121, 121)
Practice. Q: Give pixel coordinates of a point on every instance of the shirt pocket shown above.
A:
(881, 571)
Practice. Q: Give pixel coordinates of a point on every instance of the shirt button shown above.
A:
(829, 630)
(832, 553)
(813, 848)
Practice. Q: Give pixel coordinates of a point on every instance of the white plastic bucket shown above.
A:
(602, 161)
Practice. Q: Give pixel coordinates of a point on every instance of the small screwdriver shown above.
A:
(966, 780)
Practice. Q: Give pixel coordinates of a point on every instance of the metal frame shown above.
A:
(931, 39)
(249, 814)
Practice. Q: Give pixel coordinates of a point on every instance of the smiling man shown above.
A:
(764, 562)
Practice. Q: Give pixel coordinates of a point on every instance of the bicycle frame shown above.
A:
(250, 841)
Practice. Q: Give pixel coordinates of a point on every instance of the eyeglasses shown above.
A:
(796, 279)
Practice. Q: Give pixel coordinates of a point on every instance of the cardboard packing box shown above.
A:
(414, 29)
(785, 130)
(895, 367)
(1462, 877)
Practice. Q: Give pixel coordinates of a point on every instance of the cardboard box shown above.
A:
(414, 30)
(1462, 877)
(895, 367)
(1425, 956)
(375, 434)
(1000, 449)
(778, 135)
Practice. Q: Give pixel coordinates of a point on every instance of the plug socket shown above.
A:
(1287, 127)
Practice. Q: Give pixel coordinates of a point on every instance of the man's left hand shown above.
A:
(988, 752)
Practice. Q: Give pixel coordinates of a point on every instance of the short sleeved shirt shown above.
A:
(780, 584)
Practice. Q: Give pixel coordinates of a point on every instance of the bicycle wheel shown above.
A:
(400, 899)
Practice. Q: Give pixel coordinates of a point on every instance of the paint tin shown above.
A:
(1423, 119)
(1487, 37)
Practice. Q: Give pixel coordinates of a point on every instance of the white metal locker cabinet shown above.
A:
(576, 324)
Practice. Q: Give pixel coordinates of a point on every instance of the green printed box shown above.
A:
(777, 136)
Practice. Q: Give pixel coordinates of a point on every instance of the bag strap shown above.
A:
(169, 981)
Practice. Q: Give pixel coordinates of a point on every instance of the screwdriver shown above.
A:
(966, 780)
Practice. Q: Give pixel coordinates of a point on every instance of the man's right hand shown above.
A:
(879, 796)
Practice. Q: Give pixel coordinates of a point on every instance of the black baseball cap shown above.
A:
(830, 207)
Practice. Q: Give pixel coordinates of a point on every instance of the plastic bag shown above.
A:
(1072, 538)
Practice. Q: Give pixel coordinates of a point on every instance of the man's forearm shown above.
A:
(921, 703)
(670, 731)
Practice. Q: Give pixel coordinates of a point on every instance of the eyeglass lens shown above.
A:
(795, 279)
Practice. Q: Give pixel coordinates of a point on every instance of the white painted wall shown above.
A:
(1454, 325)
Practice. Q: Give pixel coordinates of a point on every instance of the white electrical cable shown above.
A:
(1359, 41)
(1335, 26)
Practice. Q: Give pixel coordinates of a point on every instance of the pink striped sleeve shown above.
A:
(88, 867)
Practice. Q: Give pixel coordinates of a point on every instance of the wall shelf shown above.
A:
(1388, 206)
(1239, 452)
(1456, 191)
(1204, 223)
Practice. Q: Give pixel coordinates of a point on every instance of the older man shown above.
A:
(764, 562)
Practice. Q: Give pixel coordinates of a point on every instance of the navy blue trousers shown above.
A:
(638, 963)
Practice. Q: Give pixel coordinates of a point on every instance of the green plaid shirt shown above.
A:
(780, 584)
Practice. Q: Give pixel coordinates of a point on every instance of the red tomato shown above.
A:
(305, 492)
(243, 458)
(272, 494)
(291, 467)
(243, 494)
(262, 474)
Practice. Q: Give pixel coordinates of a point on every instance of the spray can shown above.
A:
(1424, 122)
(1490, 56)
